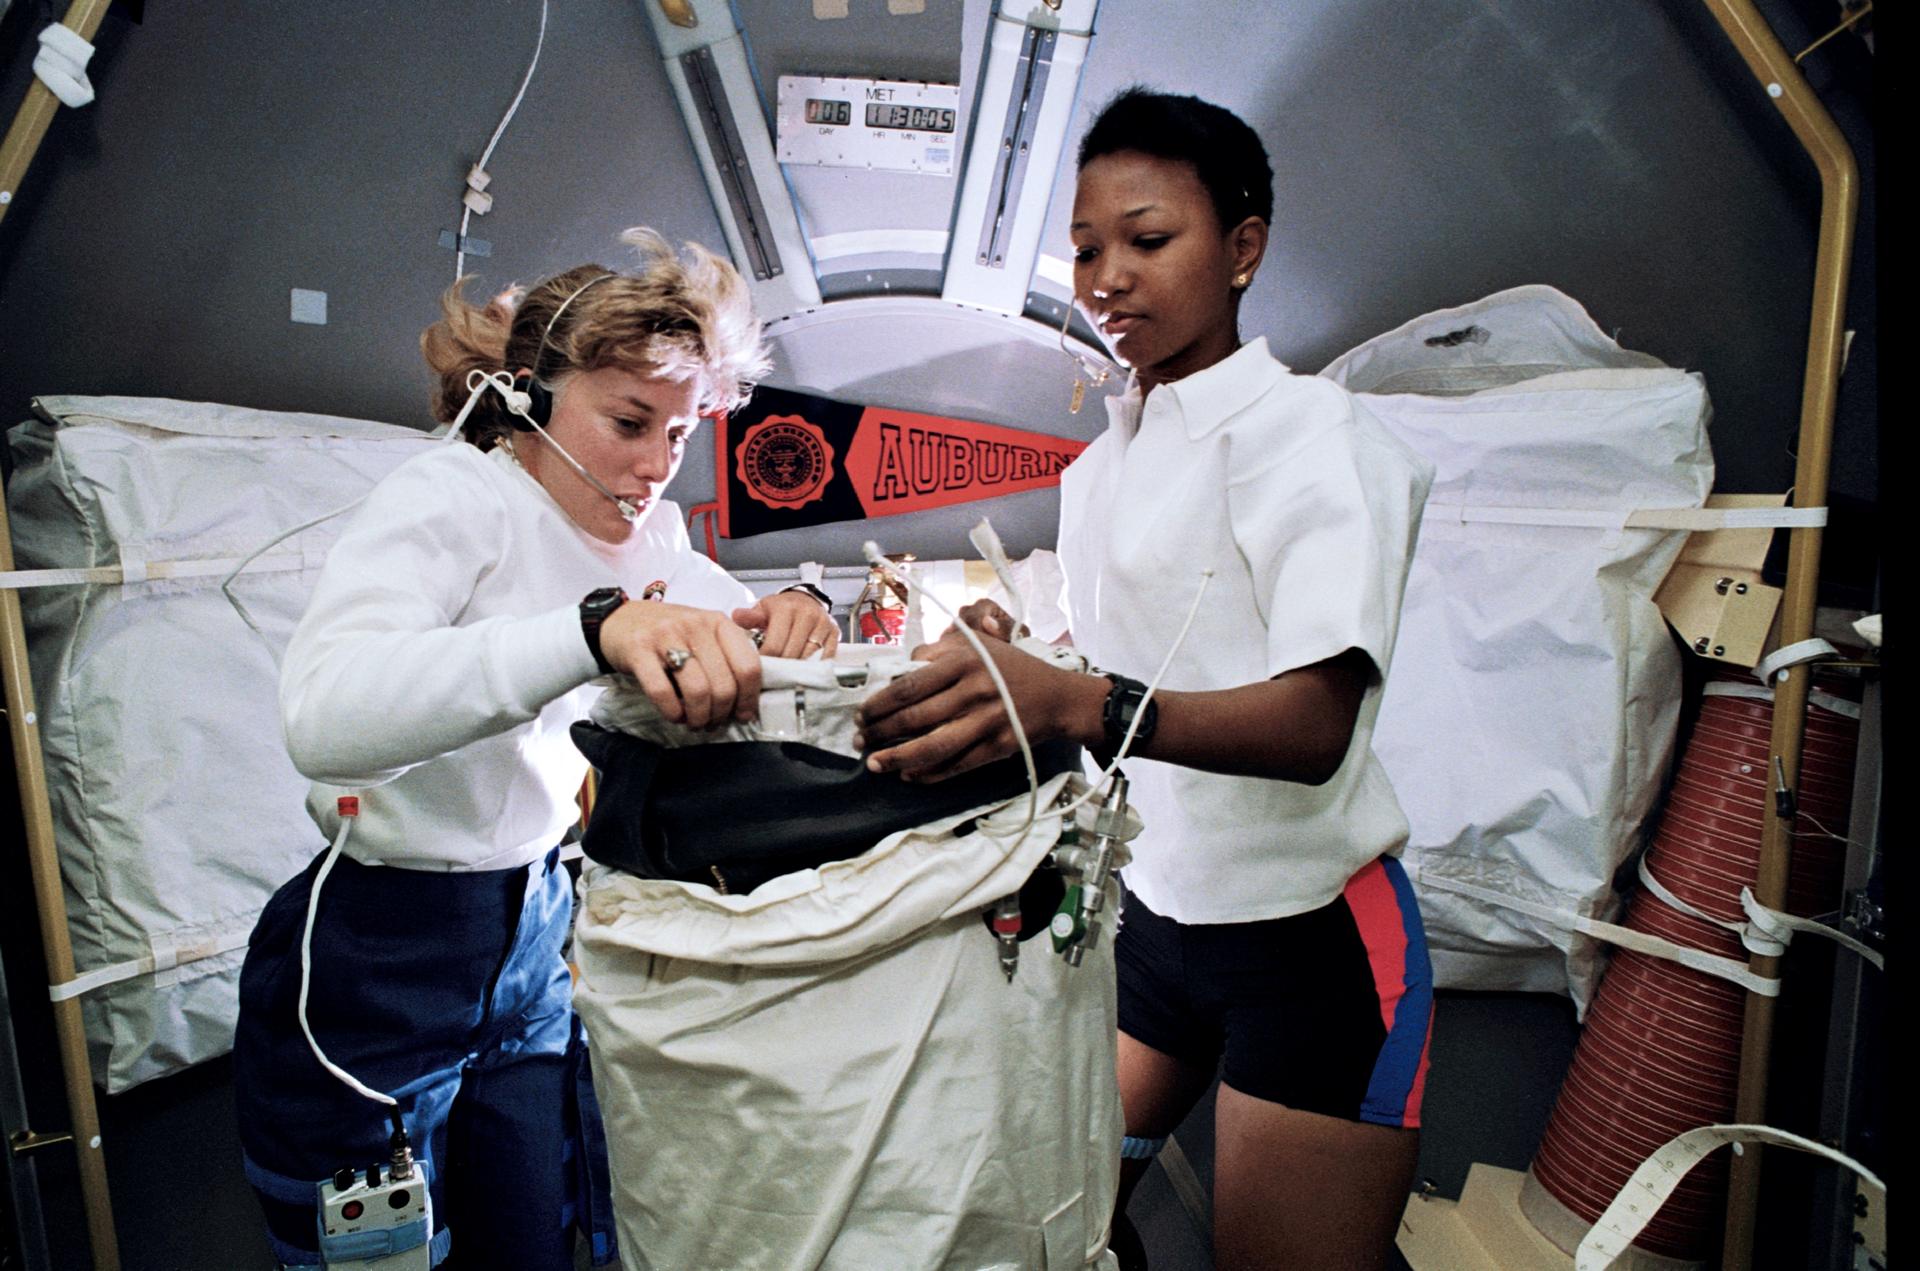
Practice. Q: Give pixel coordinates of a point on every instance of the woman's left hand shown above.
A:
(947, 716)
(796, 625)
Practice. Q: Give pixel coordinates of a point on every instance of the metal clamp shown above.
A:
(24, 1142)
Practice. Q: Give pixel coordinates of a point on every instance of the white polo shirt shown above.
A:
(1306, 509)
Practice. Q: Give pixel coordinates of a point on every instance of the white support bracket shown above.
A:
(707, 63)
(1021, 114)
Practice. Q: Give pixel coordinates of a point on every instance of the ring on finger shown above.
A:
(675, 659)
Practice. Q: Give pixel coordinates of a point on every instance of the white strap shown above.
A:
(1758, 693)
(1766, 938)
(1780, 659)
(163, 956)
(1634, 518)
(61, 64)
(1774, 925)
(145, 571)
(1651, 1184)
(812, 573)
(1639, 941)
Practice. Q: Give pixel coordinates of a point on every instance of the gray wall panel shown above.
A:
(1426, 155)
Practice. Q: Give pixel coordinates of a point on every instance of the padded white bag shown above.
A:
(1529, 721)
(175, 807)
(830, 1071)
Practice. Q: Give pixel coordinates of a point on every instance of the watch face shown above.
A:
(604, 600)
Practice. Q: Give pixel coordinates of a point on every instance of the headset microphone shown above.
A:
(522, 403)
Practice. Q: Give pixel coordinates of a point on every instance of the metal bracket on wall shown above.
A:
(1022, 109)
(1016, 144)
(730, 158)
(26, 1141)
(708, 65)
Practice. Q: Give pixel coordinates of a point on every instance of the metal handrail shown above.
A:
(1797, 103)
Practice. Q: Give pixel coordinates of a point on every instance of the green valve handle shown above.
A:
(1066, 926)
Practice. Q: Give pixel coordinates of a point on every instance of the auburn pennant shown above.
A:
(788, 460)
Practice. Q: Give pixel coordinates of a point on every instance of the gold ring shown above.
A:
(675, 659)
(816, 641)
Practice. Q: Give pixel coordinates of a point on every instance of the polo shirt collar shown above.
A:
(1209, 398)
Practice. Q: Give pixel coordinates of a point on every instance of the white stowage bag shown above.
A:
(830, 1072)
(176, 809)
(1529, 717)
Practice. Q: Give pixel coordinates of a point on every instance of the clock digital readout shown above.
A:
(880, 125)
(909, 118)
(822, 111)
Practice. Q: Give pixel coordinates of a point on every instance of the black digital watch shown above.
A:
(1123, 704)
(594, 612)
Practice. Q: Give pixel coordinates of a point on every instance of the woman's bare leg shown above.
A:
(1156, 1093)
(1304, 1191)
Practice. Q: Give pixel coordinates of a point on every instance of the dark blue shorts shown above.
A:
(1327, 1011)
(449, 992)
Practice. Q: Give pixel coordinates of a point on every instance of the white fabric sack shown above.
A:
(1529, 720)
(831, 1071)
(176, 809)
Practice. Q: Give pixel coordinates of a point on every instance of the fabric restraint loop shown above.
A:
(61, 65)
(1766, 932)
(1640, 942)
(135, 569)
(165, 956)
(1769, 667)
(1634, 518)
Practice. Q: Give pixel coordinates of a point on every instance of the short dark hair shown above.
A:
(1224, 152)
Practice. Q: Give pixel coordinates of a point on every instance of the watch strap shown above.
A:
(809, 589)
(595, 609)
(1126, 700)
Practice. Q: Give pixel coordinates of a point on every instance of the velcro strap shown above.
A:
(163, 955)
(61, 64)
(1633, 518)
(1769, 667)
(1639, 941)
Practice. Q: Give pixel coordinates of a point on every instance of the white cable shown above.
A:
(226, 584)
(994, 552)
(466, 209)
(873, 554)
(885, 566)
(306, 965)
(1140, 712)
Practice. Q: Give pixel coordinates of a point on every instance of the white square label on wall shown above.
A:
(310, 307)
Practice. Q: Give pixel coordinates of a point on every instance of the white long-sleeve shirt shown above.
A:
(441, 660)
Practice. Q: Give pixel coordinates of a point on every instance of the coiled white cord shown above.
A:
(306, 962)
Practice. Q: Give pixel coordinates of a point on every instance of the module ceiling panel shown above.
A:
(941, 44)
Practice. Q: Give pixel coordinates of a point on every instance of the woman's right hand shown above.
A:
(720, 677)
(989, 619)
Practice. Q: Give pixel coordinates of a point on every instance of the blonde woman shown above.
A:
(455, 633)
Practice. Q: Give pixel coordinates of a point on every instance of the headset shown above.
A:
(532, 401)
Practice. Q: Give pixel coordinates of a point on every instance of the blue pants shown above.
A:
(448, 992)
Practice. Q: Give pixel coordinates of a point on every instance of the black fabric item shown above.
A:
(754, 810)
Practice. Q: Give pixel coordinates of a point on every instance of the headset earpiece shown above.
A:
(531, 396)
